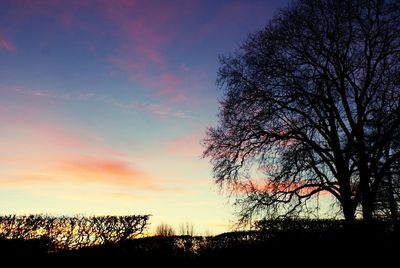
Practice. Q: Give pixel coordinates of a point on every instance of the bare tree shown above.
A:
(311, 103)
(165, 229)
(387, 203)
(73, 232)
(186, 229)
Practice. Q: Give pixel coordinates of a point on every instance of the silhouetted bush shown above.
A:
(72, 232)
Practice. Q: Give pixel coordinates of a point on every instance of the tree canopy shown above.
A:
(312, 102)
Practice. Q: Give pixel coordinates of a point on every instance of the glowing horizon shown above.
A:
(104, 103)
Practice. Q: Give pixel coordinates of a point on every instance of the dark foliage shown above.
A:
(291, 242)
(56, 233)
(288, 241)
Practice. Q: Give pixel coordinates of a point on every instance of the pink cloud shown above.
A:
(7, 45)
(145, 33)
(142, 31)
(146, 41)
(172, 85)
(185, 146)
(166, 84)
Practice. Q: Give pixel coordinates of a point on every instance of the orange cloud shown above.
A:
(104, 170)
(37, 148)
(93, 171)
(40, 147)
(270, 187)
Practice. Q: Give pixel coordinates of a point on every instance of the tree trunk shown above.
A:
(394, 210)
(367, 204)
(366, 195)
(348, 208)
(367, 209)
(348, 212)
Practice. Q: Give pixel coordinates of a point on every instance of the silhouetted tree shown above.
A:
(388, 195)
(313, 101)
(165, 229)
(186, 229)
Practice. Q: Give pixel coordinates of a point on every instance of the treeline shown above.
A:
(281, 230)
(101, 240)
(286, 241)
(63, 232)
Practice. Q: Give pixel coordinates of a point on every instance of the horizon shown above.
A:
(104, 105)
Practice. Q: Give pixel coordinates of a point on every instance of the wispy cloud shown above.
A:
(85, 172)
(157, 109)
(27, 140)
(143, 34)
(52, 154)
(33, 92)
(38, 149)
(104, 196)
(7, 45)
(146, 31)
(154, 108)
(185, 146)
(165, 84)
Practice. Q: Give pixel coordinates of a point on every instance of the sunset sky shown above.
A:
(104, 103)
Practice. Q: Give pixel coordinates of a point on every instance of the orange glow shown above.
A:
(270, 187)
(108, 170)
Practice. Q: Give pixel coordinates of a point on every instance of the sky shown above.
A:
(103, 104)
